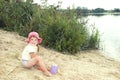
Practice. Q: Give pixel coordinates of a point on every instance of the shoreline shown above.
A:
(107, 13)
(109, 57)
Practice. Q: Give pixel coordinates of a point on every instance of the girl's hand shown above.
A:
(32, 55)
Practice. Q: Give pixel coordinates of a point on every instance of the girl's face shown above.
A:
(33, 40)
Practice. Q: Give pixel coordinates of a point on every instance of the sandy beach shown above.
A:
(86, 65)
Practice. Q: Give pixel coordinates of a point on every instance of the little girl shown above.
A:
(29, 57)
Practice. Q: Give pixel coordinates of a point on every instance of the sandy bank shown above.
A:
(88, 65)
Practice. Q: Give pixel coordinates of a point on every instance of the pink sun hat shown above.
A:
(35, 34)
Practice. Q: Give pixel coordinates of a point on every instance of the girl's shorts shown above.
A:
(24, 62)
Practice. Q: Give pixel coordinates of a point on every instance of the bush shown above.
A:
(59, 29)
(94, 39)
(66, 34)
(16, 16)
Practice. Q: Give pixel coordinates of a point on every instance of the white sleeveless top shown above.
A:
(27, 50)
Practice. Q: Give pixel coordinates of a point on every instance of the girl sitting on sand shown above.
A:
(29, 57)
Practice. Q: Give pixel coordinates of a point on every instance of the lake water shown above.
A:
(109, 27)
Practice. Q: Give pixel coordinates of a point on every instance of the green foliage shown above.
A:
(65, 35)
(94, 39)
(82, 11)
(60, 29)
(99, 10)
(116, 10)
(17, 16)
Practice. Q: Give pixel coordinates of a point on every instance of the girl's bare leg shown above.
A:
(38, 61)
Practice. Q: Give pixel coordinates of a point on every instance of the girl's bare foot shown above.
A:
(48, 74)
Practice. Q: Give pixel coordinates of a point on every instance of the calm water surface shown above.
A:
(109, 27)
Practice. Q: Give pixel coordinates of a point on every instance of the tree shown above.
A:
(82, 11)
(98, 10)
(116, 10)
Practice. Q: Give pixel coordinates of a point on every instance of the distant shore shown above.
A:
(107, 13)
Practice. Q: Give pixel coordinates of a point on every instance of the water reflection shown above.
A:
(98, 15)
(109, 27)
